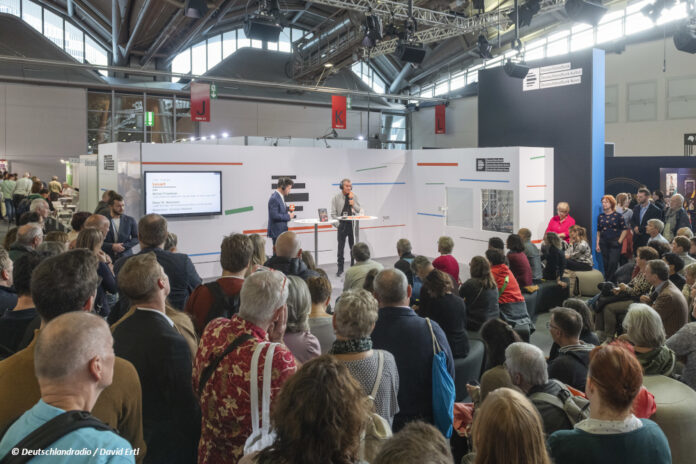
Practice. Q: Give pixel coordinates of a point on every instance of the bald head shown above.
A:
(288, 245)
(99, 222)
(391, 288)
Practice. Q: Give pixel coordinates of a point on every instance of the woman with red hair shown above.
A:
(612, 434)
(611, 232)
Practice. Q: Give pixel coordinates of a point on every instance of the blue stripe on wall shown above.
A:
(205, 254)
(536, 201)
(598, 103)
(430, 214)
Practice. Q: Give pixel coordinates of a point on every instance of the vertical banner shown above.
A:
(440, 119)
(200, 102)
(338, 112)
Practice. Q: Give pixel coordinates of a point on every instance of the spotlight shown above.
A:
(204, 138)
(584, 11)
(654, 10)
(516, 70)
(685, 38)
(328, 65)
(360, 137)
(212, 137)
(225, 135)
(195, 8)
(192, 139)
(264, 28)
(527, 12)
(410, 52)
(484, 48)
(373, 30)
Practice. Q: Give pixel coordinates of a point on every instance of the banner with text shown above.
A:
(440, 119)
(338, 112)
(200, 102)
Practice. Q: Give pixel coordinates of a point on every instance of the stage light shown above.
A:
(212, 137)
(328, 65)
(516, 70)
(685, 38)
(484, 48)
(373, 30)
(263, 28)
(195, 8)
(411, 52)
(204, 138)
(360, 137)
(527, 12)
(192, 139)
(584, 11)
(225, 135)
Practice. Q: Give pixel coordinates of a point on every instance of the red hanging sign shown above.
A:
(338, 112)
(200, 102)
(440, 119)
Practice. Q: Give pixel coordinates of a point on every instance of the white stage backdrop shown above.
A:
(417, 194)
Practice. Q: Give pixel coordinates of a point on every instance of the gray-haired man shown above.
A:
(345, 203)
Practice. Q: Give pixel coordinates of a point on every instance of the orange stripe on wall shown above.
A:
(537, 241)
(182, 163)
(382, 227)
(529, 186)
(438, 164)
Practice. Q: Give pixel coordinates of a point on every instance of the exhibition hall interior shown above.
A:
(348, 231)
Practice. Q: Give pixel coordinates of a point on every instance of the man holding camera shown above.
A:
(345, 203)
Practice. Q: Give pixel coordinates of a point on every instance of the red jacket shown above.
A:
(512, 293)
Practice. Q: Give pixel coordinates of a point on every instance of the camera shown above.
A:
(606, 288)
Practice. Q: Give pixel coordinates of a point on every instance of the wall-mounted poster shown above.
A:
(679, 180)
(497, 210)
(670, 184)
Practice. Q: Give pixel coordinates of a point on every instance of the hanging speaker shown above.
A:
(685, 39)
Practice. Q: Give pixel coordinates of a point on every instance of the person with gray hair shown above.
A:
(355, 316)
(403, 249)
(654, 228)
(225, 397)
(287, 257)
(29, 237)
(528, 371)
(665, 297)
(355, 276)
(343, 204)
(41, 207)
(8, 295)
(74, 362)
(676, 217)
(409, 337)
(298, 338)
(644, 330)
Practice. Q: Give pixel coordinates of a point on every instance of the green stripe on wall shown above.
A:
(239, 210)
(370, 169)
(434, 183)
(537, 157)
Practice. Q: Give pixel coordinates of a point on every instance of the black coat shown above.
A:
(171, 415)
(290, 266)
(450, 312)
(653, 212)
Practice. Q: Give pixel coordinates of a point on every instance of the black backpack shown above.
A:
(223, 305)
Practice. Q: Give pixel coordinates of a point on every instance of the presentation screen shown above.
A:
(176, 193)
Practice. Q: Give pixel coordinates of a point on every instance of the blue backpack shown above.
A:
(443, 388)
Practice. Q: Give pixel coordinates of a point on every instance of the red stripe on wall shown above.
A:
(263, 231)
(530, 186)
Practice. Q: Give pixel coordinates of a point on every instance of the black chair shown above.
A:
(468, 369)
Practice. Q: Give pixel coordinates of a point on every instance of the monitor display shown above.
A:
(180, 193)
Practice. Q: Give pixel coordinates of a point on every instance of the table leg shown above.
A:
(356, 225)
(316, 243)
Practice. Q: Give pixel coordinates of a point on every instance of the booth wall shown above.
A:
(40, 125)
(461, 125)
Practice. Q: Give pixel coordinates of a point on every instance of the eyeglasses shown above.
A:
(550, 326)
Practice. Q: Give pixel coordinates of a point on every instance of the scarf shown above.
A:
(659, 361)
(355, 345)
(670, 224)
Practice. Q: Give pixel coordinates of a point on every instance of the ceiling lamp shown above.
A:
(195, 8)
(584, 11)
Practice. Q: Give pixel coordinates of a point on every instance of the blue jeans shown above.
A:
(9, 206)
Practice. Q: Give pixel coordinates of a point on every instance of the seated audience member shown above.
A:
(92, 240)
(527, 368)
(63, 284)
(57, 236)
(15, 322)
(570, 366)
(683, 344)
(660, 247)
(689, 290)
(579, 255)
(123, 234)
(685, 232)
(612, 433)
(654, 229)
(555, 259)
(562, 222)
(400, 331)
(447, 309)
(171, 243)
(403, 249)
(480, 293)
(354, 320)
(513, 309)
(29, 237)
(40, 207)
(74, 363)
(48, 249)
(644, 330)
(220, 298)
(446, 262)
(680, 246)
(519, 264)
(497, 335)
(183, 278)
(224, 397)
(369, 283)
(320, 322)
(318, 417)
(303, 345)
(10, 238)
(676, 217)
(355, 276)
(692, 247)
(77, 223)
(507, 413)
(676, 266)
(287, 257)
(8, 294)
(665, 298)
(587, 333)
(259, 255)
(496, 242)
(421, 267)
(99, 222)
(309, 260)
(148, 339)
(29, 218)
(416, 443)
(532, 252)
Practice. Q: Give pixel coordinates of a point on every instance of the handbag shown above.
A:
(443, 388)
(261, 435)
(377, 428)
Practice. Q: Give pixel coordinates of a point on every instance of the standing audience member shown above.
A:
(562, 222)
(7, 188)
(555, 259)
(683, 344)
(29, 237)
(55, 186)
(654, 229)
(403, 249)
(659, 198)
(355, 276)
(92, 240)
(578, 254)
(123, 230)
(623, 201)
(447, 309)
(224, 397)
(480, 293)
(15, 322)
(318, 417)
(375, 370)
(446, 262)
(612, 433)
(148, 339)
(519, 264)
(73, 362)
(303, 345)
(611, 232)
(645, 331)
(570, 366)
(400, 331)
(685, 232)
(665, 298)
(676, 267)
(22, 189)
(8, 294)
(642, 213)
(63, 284)
(103, 205)
(220, 298)
(513, 308)
(533, 254)
(287, 257)
(676, 217)
(507, 413)
(320, 322)
(417, 443)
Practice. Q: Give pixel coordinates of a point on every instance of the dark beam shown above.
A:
(162, 37)
(136, 28)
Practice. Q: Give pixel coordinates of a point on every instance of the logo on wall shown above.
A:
(200, 102)
(109, 164)
(339, 115)
(480, 164)
(492, 165)
(689, 144)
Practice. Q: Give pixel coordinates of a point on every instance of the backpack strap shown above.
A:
(265, 424)
(436, 345)
(378, 379)
(223, 305)
(52, 431)
(208, 371)
(505, 284)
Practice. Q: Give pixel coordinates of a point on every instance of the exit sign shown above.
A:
(150, 118)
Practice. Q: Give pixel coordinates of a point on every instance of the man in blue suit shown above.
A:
(123, 230)
(278, 215)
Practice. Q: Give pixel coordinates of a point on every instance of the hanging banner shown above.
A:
(338, 112)
(440, 119)
(200, 102)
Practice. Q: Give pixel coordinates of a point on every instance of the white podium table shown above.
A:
(315, 222)
(356, 223)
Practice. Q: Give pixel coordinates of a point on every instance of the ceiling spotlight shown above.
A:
(195, 8)
(372, 29)
(484, 47)
(527, 12)
(584, 11)
(212, 137)
(328, 65)
(191, 139)
(360, 137)
(204, 138)
(225, 135)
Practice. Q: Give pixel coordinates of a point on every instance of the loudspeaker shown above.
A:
(410, 52)
(516, 70)
(685, 39)
(584, 11)
(262, 29)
